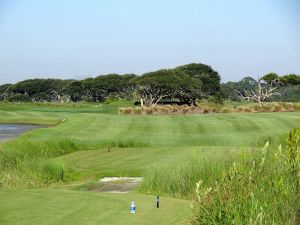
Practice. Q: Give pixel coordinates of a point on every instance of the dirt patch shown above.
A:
(118, 184)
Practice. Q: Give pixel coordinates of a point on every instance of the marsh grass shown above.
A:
(31, 164)
(262, 190)
(178, 178)
(206, 107)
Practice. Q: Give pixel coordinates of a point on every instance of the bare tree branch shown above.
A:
(261, 93)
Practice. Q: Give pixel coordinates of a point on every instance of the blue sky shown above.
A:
(77, 39)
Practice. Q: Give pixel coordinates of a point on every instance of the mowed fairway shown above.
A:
(97, 129)
(135, 161)
(60, 207)
(125, 146)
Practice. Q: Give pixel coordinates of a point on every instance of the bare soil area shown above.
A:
(118, 184)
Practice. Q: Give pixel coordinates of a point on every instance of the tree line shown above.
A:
(185, 84)
(270, 87)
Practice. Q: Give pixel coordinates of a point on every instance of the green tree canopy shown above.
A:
(291, 79)
(101, 87)
(209, 78)
(170, 84)
(270, 77)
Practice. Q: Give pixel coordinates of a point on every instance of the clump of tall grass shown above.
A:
(227, 110)
(167, 110)
(263, 190)
(35, 173)
(30, 164)
(126, 111)
(178, 179)
(207, 108)
(137, 111)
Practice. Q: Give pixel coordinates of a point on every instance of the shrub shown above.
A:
(247, 109)
(126, 111)
(185, 110)
(137, 111)
(19, 98)
(296, 106)
(121, 111)
(239, 109)
(148, 110)
(257, 108)
(277, 107)
(288, 106)
(226, 110)
(175, 108)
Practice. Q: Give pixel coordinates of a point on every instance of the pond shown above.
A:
(10, 131)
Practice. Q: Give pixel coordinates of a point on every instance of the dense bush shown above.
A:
(19, 98)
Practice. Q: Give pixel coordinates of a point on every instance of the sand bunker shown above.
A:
(118, 184)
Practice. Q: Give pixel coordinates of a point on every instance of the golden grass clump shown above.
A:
(226, 110)
(175, 108)
(277, 107)
(147, 110)
(248, 109)
(206, 109)
(239, 109)
(289, 106)
(185, 109)
(126, 111)
(137, 111)
(296, 106)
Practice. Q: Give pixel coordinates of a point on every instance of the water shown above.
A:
(10, 131)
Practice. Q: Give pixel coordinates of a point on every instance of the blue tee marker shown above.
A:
(132, 208)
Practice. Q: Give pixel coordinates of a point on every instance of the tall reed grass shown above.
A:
(207, 108)
(177, 179)
(31, 164)
(263, 190)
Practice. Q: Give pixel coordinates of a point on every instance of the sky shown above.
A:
(75, 39)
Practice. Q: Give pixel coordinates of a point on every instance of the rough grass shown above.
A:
(178, 177)
(263, 189)
(205, 107)
(31, 164)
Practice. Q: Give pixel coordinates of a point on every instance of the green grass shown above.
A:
(171, 152)
(52, 207)
(136, 161)
(144, 139)
(98, 130)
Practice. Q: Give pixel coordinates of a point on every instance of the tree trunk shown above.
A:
(142, 102)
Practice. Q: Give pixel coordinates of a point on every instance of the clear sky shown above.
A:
(81, 38)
